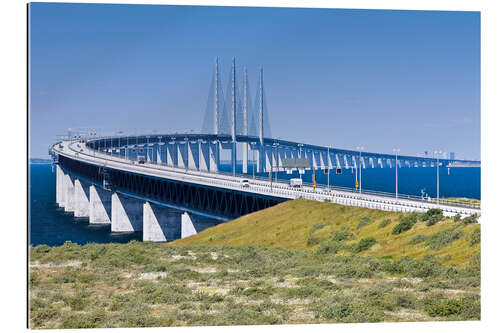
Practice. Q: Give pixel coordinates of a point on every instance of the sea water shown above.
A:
(49, 224)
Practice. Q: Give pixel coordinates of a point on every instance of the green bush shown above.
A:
(433, 219)
(418, 239)
(384, 223)
(311, 241)
(363, 222)
(341, 234)
(467, 306)
(475, 237)
(471, 219)
(457, 217)
(432, 212)
(405, 223)
(330, 247)
(441, 239)
(364, 244)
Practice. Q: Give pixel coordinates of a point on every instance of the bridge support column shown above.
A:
(214, 157)
(69, 194)
(100, 205)
(245, 157)
(82, 202)
(126, 213)
(59, 186)
(187, 227)
(158, 222)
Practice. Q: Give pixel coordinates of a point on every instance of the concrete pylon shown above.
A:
(158, 222)
(187, 227)
(59, 186)
(126, 213)
(82, 202)
(69, 194)
(100, 205)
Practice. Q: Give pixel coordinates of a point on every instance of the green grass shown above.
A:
(297, 262)
(320, 226)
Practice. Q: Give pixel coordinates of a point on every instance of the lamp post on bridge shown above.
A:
(437, 174)
(396, 150)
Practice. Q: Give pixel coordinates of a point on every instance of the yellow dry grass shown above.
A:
(288, 224)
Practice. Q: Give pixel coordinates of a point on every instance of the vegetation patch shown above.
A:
(475, 237)
(406, 222)
(418, 239)
(384, 223)
(364, 244)
(363, 222)
(441, 239)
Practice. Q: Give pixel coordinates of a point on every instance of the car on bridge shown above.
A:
(244, 183)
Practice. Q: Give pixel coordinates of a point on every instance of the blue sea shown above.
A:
(49, 224)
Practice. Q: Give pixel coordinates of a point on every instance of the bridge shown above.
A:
(134, 182)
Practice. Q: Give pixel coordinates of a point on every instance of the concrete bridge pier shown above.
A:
(99, 205)
(159, 223)
(245, 157)
(187, 227)
(69, 193)
(126, 213)
(60, 186)
(82, 199)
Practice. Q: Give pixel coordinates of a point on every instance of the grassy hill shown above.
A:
(321, 226)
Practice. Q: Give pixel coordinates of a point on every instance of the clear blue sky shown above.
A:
(344, 78)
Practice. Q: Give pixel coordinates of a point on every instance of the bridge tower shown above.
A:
(233, 116)
(216, 97)
(261, 151)
(245, 120)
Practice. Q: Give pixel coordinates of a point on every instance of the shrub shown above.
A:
(471, 219)
(338, 311)
(433, 219)
(384, 223)
(475, 237)
(341, 234)
(418, 239)
(363, 222)
(467, 306)
(330, 247)
(405, 224)
(441, 239)
(432, 212)
(457, 217)
(364, 244)
(311, 241)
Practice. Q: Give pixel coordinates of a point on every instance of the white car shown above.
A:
(244, 183)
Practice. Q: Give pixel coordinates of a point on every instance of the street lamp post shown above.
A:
(437, 174)
(396, 150)
(276, 144)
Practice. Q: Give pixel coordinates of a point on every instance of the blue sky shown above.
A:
(376, 78)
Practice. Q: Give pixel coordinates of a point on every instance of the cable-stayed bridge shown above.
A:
(134, 181)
